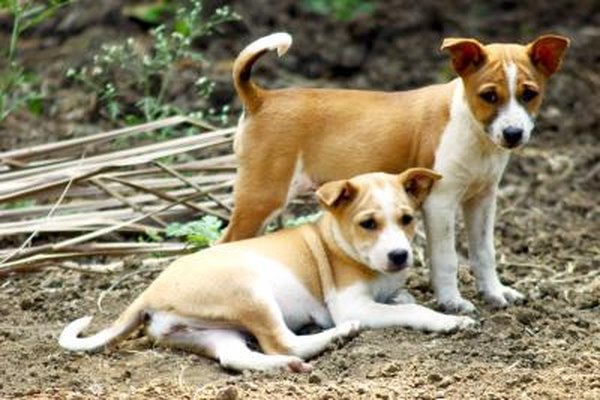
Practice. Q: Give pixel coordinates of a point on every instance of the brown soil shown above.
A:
(547, 229)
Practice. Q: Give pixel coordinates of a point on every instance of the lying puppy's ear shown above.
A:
(467, 55)
(333, 194)
(417, 183)
(546, 52)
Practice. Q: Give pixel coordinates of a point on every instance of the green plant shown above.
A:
(342, 10)
(294, 222)
(201, 233)
(133, 85)
(19, 88)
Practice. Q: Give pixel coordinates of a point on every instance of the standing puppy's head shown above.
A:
(504, 83)
(374, 215)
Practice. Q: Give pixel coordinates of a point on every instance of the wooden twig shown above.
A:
(125, 201)
(52, 257)
(93, 268)
(191, 183)
(168, 197)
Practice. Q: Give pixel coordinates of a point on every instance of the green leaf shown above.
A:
(35, 105)
(201, 233)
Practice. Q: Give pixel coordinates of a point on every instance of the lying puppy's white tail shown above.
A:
(242, 67)
(127, 322)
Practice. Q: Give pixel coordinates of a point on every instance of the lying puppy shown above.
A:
(293, 139)
(340, 273)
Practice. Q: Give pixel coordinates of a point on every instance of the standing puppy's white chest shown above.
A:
(465, 157)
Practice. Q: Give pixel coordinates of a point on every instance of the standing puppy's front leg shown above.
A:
(479, 215)
(440, 213)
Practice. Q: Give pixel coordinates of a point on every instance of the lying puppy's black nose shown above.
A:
(398, 257)
(512, 135)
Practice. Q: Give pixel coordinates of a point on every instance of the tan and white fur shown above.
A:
(291, 139)
(344, 272)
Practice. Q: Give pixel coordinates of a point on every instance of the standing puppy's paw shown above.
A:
(456, 305)
(502, 296)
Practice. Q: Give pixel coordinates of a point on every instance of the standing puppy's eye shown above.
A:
(528, 95)
(406, 219)
(368, 224)
(489, 96)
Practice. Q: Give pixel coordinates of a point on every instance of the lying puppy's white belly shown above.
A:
(298, 305)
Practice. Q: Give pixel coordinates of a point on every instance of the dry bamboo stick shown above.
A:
(12, 193)
(87, 206)
(15, 193)
(66, 169)
(30, 152)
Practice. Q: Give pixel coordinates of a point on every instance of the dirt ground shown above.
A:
(547, 233)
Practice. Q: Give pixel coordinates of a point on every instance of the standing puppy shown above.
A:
(292, 139)
(341, 273)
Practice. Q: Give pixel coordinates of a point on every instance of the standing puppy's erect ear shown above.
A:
(417, 183)
(546, 52)
(333, 194)
(467, 54)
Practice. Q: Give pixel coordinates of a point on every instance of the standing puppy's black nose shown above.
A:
(398, 257)
(512, 135)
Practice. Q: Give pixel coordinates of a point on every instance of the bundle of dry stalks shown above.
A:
(86, 190)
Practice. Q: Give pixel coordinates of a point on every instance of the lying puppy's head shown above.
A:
(374, 215)
(505, 83)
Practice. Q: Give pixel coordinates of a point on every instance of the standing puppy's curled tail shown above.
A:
(131, 318)
(242, 67)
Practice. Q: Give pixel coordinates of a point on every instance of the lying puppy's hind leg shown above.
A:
(307, 346)
(274, 336)
(228, 346)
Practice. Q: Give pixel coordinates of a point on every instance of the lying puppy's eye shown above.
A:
(528, 95)
(489, 96)
(368, 224)
(406, 219)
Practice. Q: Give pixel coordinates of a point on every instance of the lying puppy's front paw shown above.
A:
(404, 297)
(456, 305)
(450, 323)
(454, 324)
(298, 365)
(465, 322)
(502, 297)
(348, 329)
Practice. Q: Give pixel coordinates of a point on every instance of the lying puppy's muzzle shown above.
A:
(397, 260)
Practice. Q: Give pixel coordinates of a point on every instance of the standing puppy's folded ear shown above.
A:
(333, 194)
(546, 52)
(417, 183)
(467, 54)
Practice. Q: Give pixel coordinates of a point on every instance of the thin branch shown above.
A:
(125, 201)
(48, 217)
(168, 197)
(176, 174)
